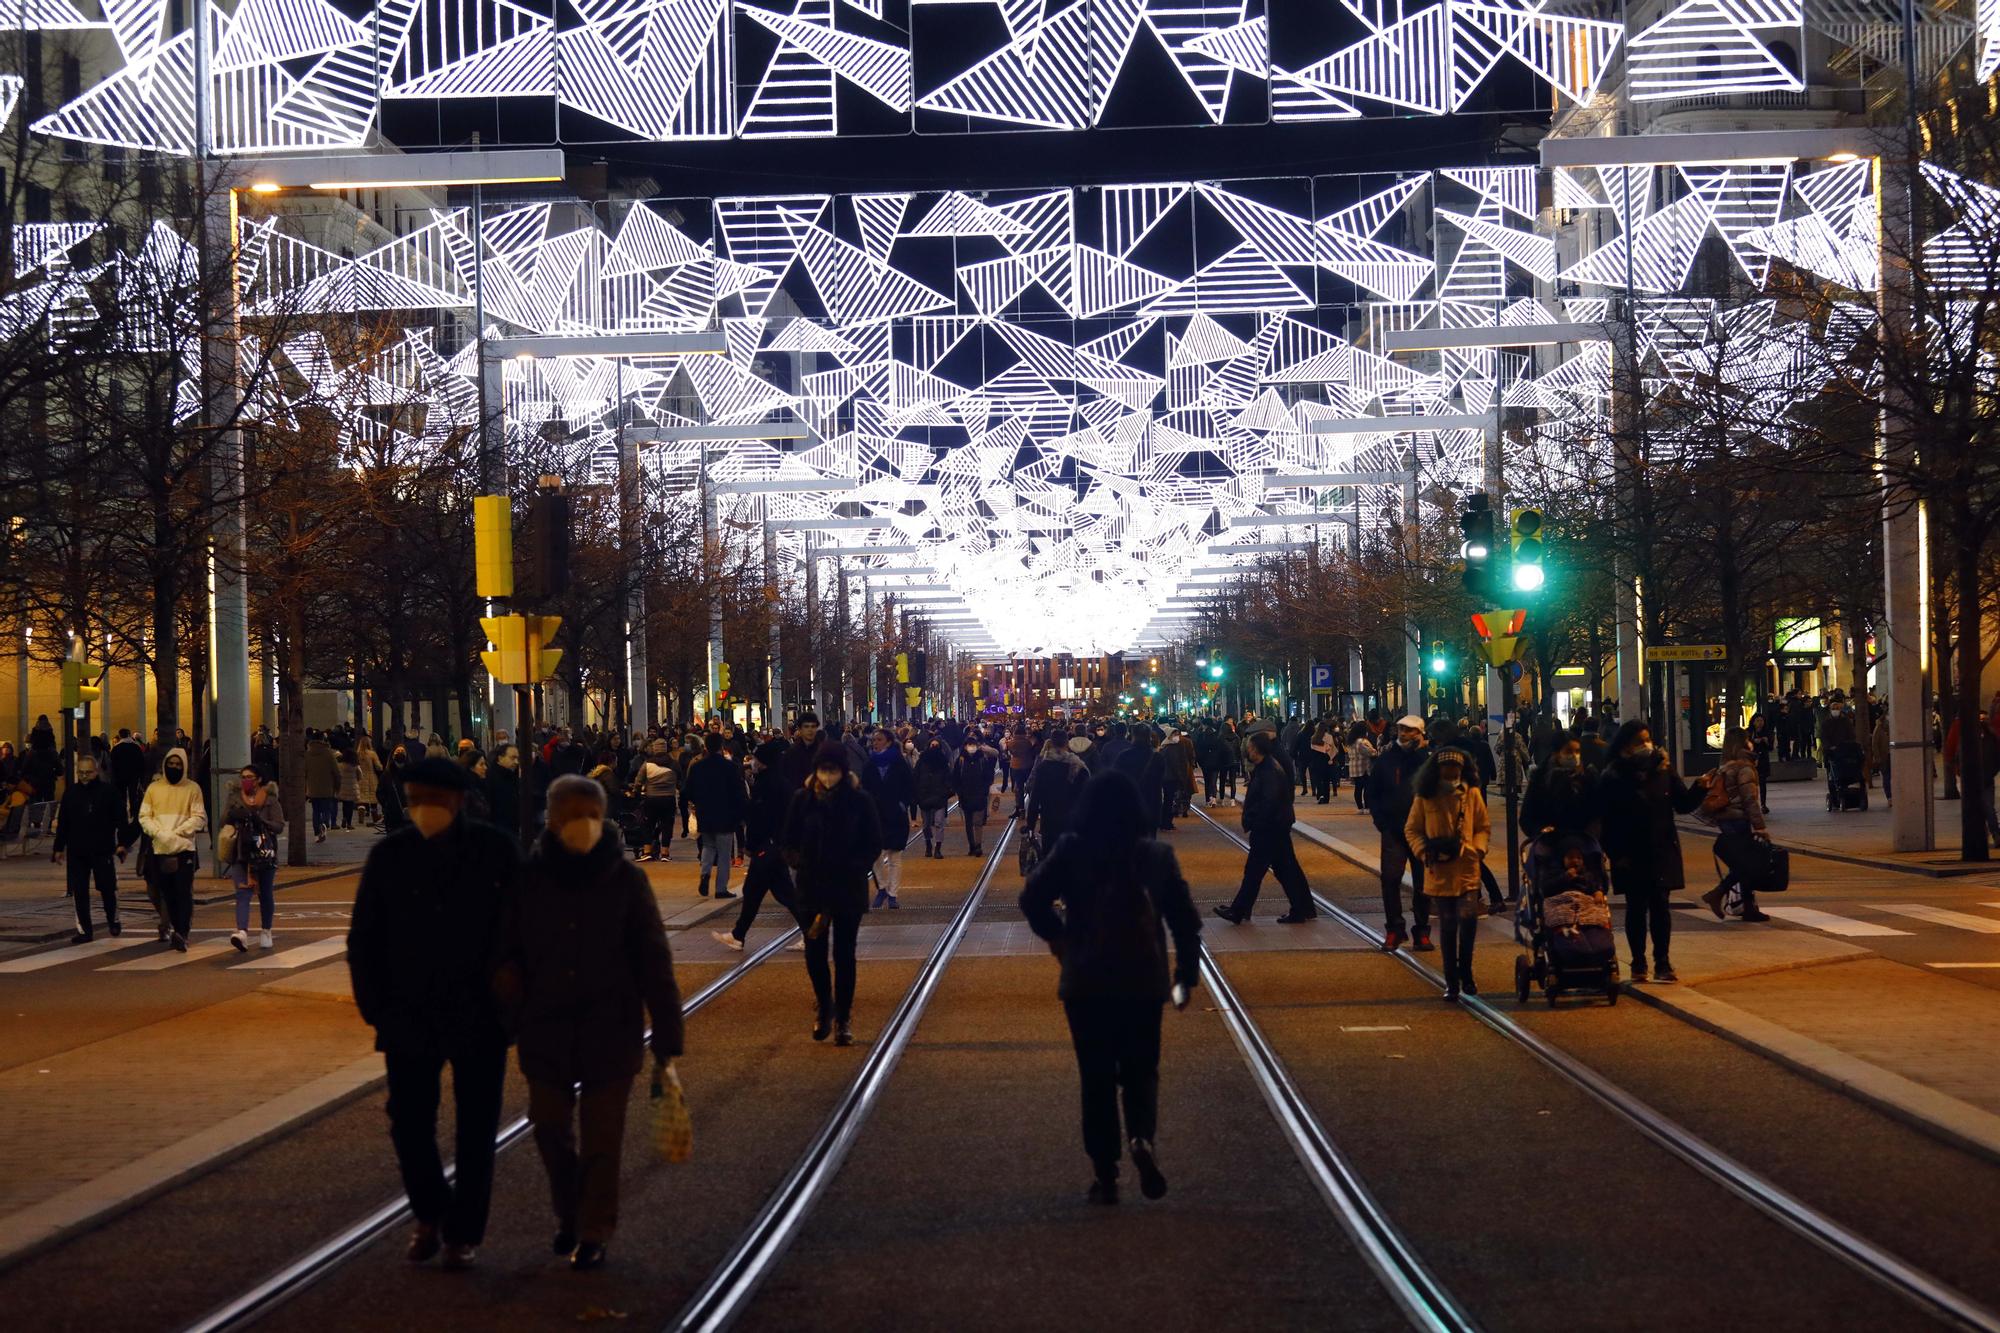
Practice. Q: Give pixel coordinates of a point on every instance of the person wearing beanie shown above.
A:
(1448, 833)
(832, 836)
(1391, 776)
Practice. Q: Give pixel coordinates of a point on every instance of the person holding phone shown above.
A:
(1121, 892)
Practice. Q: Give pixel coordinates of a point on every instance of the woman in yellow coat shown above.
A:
(1447, 829)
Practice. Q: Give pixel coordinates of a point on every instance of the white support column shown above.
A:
(229, 600)
(1413, 637)
(774, 672)
(1628, 612)
(1905, 557)
(631, 539)
(1495, 482)
(711, 545)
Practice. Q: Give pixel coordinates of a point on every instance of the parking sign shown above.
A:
(1322, 675)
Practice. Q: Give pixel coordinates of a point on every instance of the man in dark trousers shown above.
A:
(129, 773)
(1389, 796)
(87, 829)
(1267, 822)
(428, 917)
(763, 821)
(714, 788)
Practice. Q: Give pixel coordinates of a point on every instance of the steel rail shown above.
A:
(1929, 1293)
(757, 1252)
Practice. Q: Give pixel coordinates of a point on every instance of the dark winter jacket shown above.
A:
(764, 817)
(715, 789)
(427, 934)
(1636, 804)
(1389, 792)
(584, 962)
(88, 820)
(797, 766)
(503, 796)
(1148, 773)
(1053, 786)
(832, 838)
(1563, 799)
(322, 772)
(932, 780)
(1105, 953)
(893, 789)
(972, 777)
(128, 764)
(1267, 798)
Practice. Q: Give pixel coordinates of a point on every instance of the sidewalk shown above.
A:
(1915, 1044)
(1800, 821)
(34, 896)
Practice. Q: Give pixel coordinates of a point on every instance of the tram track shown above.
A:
(1882, 1266)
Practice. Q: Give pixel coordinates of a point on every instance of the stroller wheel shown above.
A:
(1611, 994)
(1553, 991)
(1521, 979)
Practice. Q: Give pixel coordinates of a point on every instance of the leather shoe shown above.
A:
(459, 1257)
(588, 1255)
(1222, 910)
(424, 1244)
(822, 1027)
(1297, 918)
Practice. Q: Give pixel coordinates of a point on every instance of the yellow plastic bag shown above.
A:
(673, 1131)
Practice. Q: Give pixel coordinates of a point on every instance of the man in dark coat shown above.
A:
(428, 925)
(763, 824)
(890, 783)
(714, 788)
(585, 963)
(1139, 762)
(1267, 823)
(833, 834)
(1389, 796)
(88, 825)
(128, 772)
(971, 782)
(797, 766)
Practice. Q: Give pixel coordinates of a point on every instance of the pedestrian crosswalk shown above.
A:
(329, 945)
(1984, 925)
(1831, 922)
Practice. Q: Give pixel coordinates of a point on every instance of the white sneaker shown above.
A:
(263, 939)
(727, 940)
(241, 939)
(796, 946)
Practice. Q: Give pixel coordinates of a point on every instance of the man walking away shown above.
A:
(172, 815)
(322, 783)
(1267, 822)
(1389, 794)
(87, 828)
(832, 836)
(715, 790)
(889, 783)
(428, 924)
(763, 822)
(128, 773)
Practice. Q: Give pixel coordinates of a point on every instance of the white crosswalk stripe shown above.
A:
(1984, 925)
(35, 962)
(329, 947)
(1830, 922)
(160, 962)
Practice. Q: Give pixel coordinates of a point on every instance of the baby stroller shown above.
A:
(1031, 847)
(1845, 786)
(1564, 922)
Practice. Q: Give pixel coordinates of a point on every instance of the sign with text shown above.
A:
(1322, 675)
(1687, 652)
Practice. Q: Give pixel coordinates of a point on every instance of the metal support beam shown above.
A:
(1398, 425)
(1709, 147)
(1497, 335)
(708, 342)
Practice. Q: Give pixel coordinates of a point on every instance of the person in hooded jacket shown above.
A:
(173, 815)
(251, 807)
(931, 789)
(891, 785)
(429, 922)
(833, 834)
(584, 963)
(763, 823)
(1447, 831)
(1638, 796)
(1140, 762)
(1561, 797)
(1054, 785)
(1121, 892)
(972, 782)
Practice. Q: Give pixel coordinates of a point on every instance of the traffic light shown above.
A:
(79, 687)
(493, 546)
(722, 677)
(920, 669)
(519, 655)
(548, 544)
(1440, 660)
(1216, 671)
(1476, 523)
(902, 668)
(1527, 535)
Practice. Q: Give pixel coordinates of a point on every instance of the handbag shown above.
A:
(225, 844)
(1717, 798)
(673, 1130)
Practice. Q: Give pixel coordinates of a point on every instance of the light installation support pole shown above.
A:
(1495, 483)
(812, 699)
(711, 546)
(774, 675)
(1905, 582)
(1627, 613)
(1413, 662)
(500, 710)
(631, 544)
(229, 602)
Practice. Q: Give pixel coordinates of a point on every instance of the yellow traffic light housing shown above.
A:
(79, 682)
(493, 546)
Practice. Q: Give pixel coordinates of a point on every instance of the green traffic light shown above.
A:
(1528, 578)
(1216, 671)
(1438, 665)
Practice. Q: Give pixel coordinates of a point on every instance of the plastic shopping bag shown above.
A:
(673, 1131)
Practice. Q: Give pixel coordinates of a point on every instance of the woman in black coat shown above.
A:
(833, 834)
(1638, 796)
(1562, 796)
(584, 963)
(1121, 891)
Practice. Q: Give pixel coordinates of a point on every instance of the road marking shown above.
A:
(1961, 965)
(1985, 925)
(159, 962)
(1377, 1027)
(35, 962)
(299, 957)
(1830, 922)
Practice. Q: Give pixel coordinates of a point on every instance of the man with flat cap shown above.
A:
(427, 923)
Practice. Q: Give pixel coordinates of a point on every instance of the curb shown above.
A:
(67, 928)
(1938, 1114)
(41, 1226)
(1872, 862)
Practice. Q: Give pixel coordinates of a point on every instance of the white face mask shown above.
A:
(580, 835)
(431, 820)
